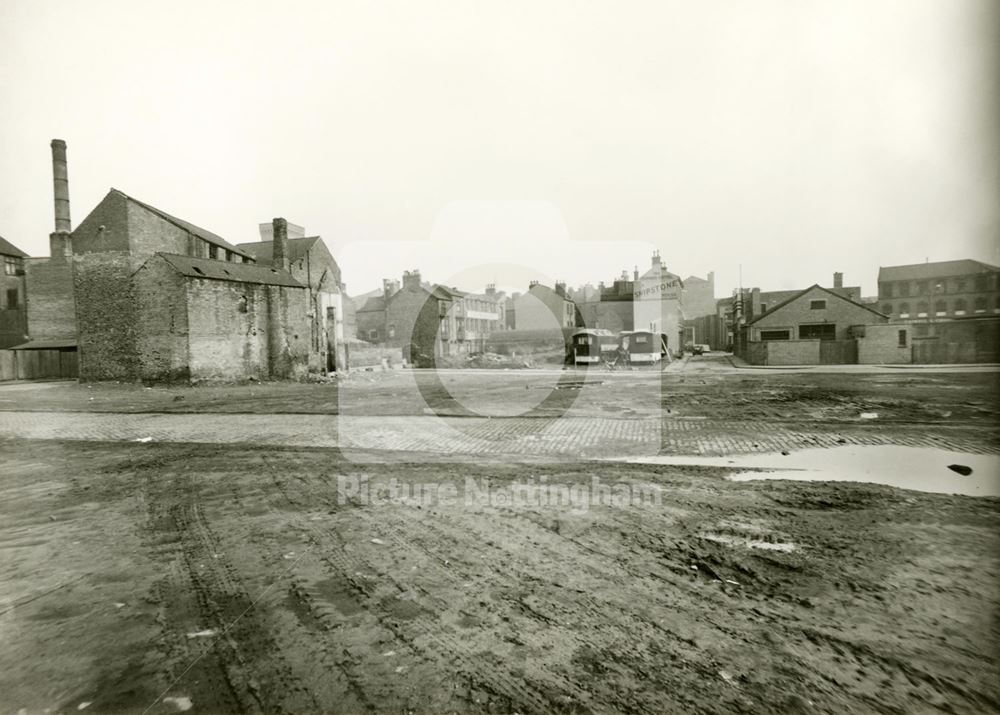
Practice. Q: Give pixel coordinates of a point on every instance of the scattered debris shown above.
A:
(728, 678)
(961, 469)
(119, 605)
(735, 583)
(785, 452)
(83, 705)
(389, 654)
(378, 541)
(869, 415)
(182, 703)
(178, 398)
(143, 439)
(207, 633)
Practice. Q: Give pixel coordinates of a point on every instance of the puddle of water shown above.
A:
(918, 468)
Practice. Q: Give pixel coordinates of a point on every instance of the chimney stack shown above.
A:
(838, 280)
(60, 186)
(279, 252)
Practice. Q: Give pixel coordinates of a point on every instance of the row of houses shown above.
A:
(135, 293)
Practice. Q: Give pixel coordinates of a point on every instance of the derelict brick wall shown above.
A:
(149, 234)
(289, 327)
(227, 344)
(49, 298)
(880, 345)
(13, 321)
(111, 213)
(106, 316)
(793, 352)
(161, 313)
(837, 311)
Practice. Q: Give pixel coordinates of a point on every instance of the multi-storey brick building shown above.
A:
(13, 309)
(544, 308)
(925, 292)
(148, 296)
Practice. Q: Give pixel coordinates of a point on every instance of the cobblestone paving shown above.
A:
(557, 437)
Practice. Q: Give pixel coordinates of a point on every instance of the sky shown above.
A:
(507, 141)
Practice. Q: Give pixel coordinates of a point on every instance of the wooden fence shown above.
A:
(38, 364)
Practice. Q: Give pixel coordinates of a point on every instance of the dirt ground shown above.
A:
(245, 578)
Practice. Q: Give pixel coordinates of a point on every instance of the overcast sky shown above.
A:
(505, 140)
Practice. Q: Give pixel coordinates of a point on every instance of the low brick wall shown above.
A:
(880, 345)
(783, 352)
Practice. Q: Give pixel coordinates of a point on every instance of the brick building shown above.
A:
(311, 264)
(816, 325)
(13, 307)
(148, 296)
(544, 308)
(428, 321)
(927, 292)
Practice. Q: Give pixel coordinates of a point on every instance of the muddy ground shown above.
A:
(237, 578)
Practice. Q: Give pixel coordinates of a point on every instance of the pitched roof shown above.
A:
(372, 304)
(225, 271)
(54, 344)
(263, 251)
(938, 269)
(9, 249)
(198, 231)
(802, 292)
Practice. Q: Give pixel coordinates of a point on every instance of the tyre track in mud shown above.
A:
(408, 533)
(436, 643)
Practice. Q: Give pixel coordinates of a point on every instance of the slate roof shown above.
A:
(263, 251)
(938, 269)
(9, 249)
(189, 227)
(802, 292)
(225, 271)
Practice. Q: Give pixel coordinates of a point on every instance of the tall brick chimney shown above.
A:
(411, 279)
(279, 237)
(59, 241)
(838, 280)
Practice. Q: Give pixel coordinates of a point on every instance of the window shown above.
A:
(982, 283)
(583, 340)
(763, 307)
(373, 334)
(922, 309)
(902, 338)
(213, 251)
(774, 335)
(241, 305)
(904, 310)
(641, 339)
(980, 304)
(939, 286)
(392, 331)
(921, 287)
(960, 306)
(887, 309)
(11, 298)
(886, 290)
(817, 305)
(10, 265)
(940, 308)
(823, 331)
(959, 285)
(904, 289)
